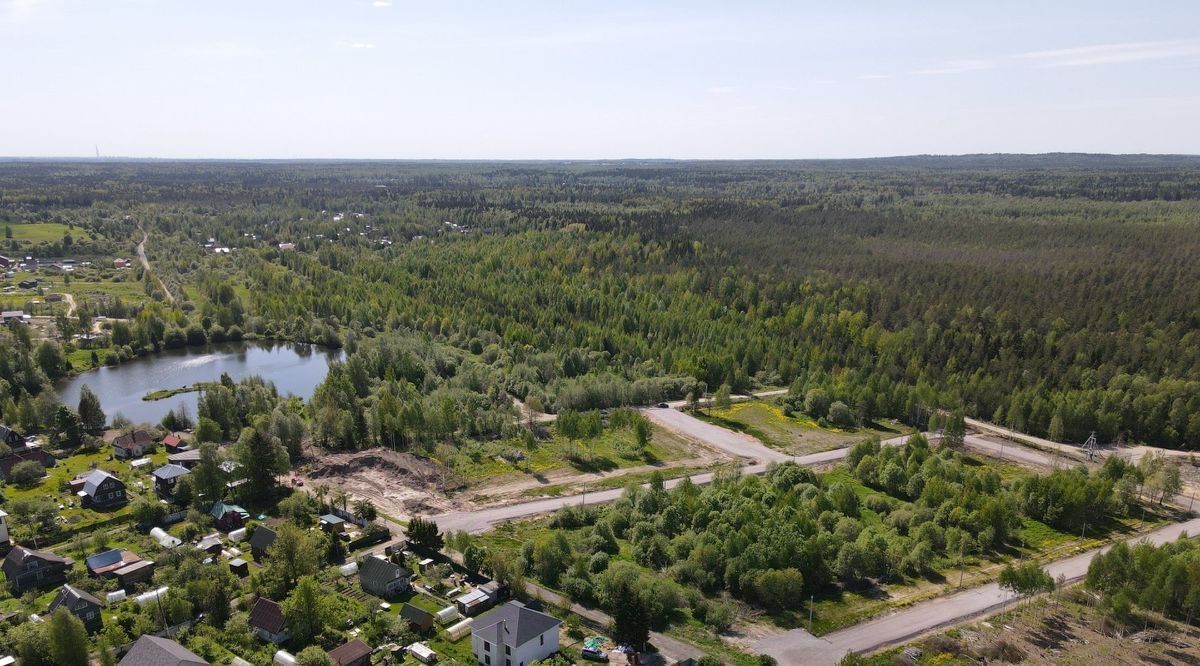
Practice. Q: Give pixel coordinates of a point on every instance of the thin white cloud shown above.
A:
(381, 3)
(362, 45)
(19, 10)
(1104, 54)
(873, 77)
(721, 90)
(957, 67)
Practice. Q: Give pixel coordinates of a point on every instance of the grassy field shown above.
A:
(38, 232)
(75, 517)
(479, 461)
(797, 434)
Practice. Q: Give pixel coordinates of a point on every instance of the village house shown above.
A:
(514, 635)
(101, 490)
(188, 459)
(11, 438)
(5, 538)
(287, 247)
(266, 619)
(174, 444)
(228, 517)
(211, 544)
(133, 445)
(383, 578)
(154, 651)
(81, 604)
(261, 540)
(166, 477)
(351, 653)
(419, 619)
(14, 317)
(28, 284)
(27, 569)
(106, 563)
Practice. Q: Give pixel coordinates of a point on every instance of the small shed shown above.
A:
(239, 567)
(332, 523)
(422, 653)
(419, 619)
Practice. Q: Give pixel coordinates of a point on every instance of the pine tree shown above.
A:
(91, 416)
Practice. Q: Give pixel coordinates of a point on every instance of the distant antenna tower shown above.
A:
(97, 151)
(1090, 446)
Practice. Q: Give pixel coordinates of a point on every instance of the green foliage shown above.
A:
(1163, 578)
(424, 533)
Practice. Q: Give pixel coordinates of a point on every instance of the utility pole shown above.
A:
(811, 600)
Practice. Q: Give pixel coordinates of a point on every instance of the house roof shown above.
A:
(263, 537)
(209, 542)
(332, 519)
(375, 569)
(171, 440)
(137, 438)
(91, 482)
(418, 616)
(134, 567)
(71, 597)
(349, 652)
(19, 555)
(170, 471)
(21, 455)
(111, 560)
(267, 615)
(154, 651)
(221, 508)
(513, 624)
(191, 455)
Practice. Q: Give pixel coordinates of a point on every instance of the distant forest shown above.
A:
(1058, 293)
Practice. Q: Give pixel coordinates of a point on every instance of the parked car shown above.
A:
(593, 655)
(662, 405)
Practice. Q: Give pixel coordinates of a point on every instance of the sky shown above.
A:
(575, 79)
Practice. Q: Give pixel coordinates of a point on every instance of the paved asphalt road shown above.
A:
(799, 647)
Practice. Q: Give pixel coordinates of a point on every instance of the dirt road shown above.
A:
(141, 252)
(800, 647)
(734, 443)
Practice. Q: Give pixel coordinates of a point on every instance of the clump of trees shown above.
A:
(1164, 579)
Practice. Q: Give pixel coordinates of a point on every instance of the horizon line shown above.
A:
(122, 158)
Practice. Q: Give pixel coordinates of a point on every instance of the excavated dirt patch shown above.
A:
(399, 484)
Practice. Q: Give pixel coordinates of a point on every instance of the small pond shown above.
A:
(294, 368)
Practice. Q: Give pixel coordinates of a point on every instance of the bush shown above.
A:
(27, 474)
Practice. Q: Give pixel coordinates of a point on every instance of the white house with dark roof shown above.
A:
(514, 635)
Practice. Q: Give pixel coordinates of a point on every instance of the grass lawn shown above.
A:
(797, 434)
(481, 461)
(75, 517)
(39, 232)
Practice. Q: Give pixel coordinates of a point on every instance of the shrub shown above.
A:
(27, 474)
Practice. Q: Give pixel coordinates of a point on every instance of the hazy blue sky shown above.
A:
(512, 79)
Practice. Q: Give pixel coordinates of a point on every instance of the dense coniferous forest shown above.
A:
(1054, 293)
